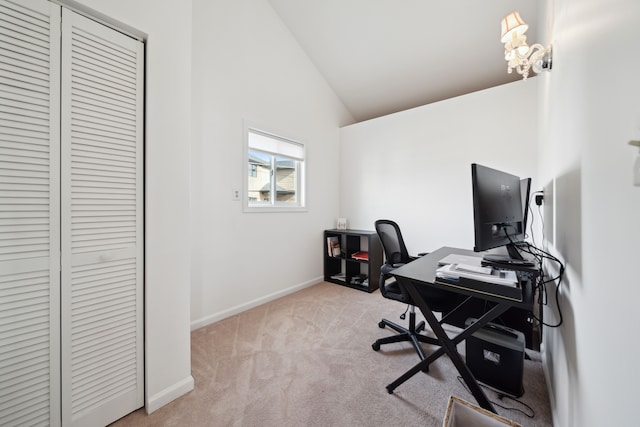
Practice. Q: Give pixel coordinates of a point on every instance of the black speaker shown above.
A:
(495, 357)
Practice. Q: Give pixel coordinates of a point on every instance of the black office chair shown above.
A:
(396, 255)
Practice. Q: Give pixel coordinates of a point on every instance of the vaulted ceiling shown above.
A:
(384, 56)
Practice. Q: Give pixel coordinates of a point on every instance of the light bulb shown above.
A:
(537, 66)
(523, 50)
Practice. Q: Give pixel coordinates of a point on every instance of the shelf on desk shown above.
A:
(511, 292)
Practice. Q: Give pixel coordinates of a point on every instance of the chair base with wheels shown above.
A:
(410, 334)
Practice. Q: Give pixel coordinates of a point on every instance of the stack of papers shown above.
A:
(482, 274)
(487, 280)
(461, 259)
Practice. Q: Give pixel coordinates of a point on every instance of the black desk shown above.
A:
(422, 272)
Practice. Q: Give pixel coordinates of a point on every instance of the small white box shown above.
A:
(341, 223)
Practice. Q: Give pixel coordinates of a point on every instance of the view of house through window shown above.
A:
(275, 171)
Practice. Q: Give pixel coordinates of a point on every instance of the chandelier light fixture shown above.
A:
(518, 54)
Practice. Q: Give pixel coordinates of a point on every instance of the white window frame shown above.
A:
(273, 144)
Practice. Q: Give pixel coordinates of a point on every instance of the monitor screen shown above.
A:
(498, 208)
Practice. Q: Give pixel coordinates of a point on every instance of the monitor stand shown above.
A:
(513, 259)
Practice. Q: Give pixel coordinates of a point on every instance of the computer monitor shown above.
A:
(499, 209)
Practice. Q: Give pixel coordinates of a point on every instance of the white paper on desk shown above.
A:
(498, 277)
(472, 268)
(461, 259)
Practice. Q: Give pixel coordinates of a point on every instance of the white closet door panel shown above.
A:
(101, 223)
(29, 213)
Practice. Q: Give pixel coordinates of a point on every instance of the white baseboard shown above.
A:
(549, 381)
(207, 320)
(169, 394)
(545, 368)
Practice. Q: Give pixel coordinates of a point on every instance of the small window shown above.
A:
(275, 172)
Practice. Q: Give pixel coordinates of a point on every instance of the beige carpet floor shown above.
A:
(306, 360)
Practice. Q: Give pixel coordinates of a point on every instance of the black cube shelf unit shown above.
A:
(355, 273)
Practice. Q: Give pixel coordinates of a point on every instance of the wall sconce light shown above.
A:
(519, 55)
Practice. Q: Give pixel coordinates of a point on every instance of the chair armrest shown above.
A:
(388, 268)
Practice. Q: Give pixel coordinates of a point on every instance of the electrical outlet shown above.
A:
(235, 195)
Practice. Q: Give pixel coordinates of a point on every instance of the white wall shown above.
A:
(167, 156)
(590, 109)
(415, 166)
(247, 66)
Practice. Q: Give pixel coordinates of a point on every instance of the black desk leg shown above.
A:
(423, 365)
(449, 347)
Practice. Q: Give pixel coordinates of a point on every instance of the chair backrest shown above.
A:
(392, 243)
(396, 254)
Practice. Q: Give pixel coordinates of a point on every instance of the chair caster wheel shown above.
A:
(381, 325)
(375, 346)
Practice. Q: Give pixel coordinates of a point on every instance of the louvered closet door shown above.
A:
(102, 276)
(29, 213)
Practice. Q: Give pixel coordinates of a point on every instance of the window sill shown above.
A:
(279, 209)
